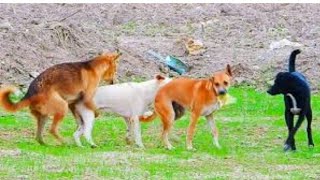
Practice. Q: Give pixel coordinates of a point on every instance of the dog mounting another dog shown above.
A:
(59, 86)
(295, 88)
(129, 100)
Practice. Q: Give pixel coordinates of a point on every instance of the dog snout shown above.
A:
(222, 91)
(273, 91)
(269, 91)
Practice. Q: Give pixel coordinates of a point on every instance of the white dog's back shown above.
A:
(127, 99)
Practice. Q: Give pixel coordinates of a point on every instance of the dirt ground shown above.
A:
(37, 36)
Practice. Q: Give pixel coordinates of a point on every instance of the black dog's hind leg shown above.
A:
(289, 121)
(309, 131)
(290, 141)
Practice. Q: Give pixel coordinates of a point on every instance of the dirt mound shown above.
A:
(36, 36)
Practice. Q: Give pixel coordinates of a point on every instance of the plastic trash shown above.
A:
(172, 62)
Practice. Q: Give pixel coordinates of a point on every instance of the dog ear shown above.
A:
(212, 79)
(159, 77)
(211, 83)
(228, 70)
(117, 54)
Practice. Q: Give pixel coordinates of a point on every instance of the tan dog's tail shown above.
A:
(6, 103)
(148, 117)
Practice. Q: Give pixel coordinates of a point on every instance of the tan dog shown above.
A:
(61, 85)
(201, 96)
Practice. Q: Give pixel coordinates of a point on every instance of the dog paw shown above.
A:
(129, 140)
(190, 148)
(218, 146)
(141, 146)
(79, 144)
(170, 147)
(286, 147)
(93, 146)
(311, 146)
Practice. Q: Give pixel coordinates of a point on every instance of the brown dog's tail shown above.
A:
(148, 118)
(6, 103)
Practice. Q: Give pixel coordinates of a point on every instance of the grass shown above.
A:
(252, 133)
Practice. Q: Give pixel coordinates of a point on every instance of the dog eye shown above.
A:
(225, 83)
(216, 84)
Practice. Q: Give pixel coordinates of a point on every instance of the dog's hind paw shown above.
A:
(311, 146)
(141, 146)
(169, 147)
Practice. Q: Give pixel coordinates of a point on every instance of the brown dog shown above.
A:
(61, 85)
(201, 96)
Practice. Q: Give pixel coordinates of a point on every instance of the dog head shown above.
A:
(221, 81)
(111, 60)
(162, 80)
(280, 85)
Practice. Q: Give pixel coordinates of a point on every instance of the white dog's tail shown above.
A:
(148, 116)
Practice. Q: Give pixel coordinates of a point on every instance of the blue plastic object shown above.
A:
(172, 62)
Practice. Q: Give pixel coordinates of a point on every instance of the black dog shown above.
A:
(296, 91)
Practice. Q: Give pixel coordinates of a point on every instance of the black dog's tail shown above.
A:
(292, 59)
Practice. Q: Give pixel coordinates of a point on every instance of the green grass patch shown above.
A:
(252, 133)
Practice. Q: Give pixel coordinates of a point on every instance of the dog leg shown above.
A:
(165, 133)
(87, 99)
(129, 130)
(54, 126)
(80, 129)
(59, 107)
(137, 131)
(214, 130)
(166, 114)
(87, 116)
(191, 129)
(77, 135)
(41, 122)
(309, 131)
(79, 132)
(290, 141)
(289, 121)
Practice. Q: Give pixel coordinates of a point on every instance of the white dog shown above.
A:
(129, 100)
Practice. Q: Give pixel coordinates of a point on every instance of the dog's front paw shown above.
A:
(191, 148)
(288, 147)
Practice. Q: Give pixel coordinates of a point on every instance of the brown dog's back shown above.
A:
(61, 77)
